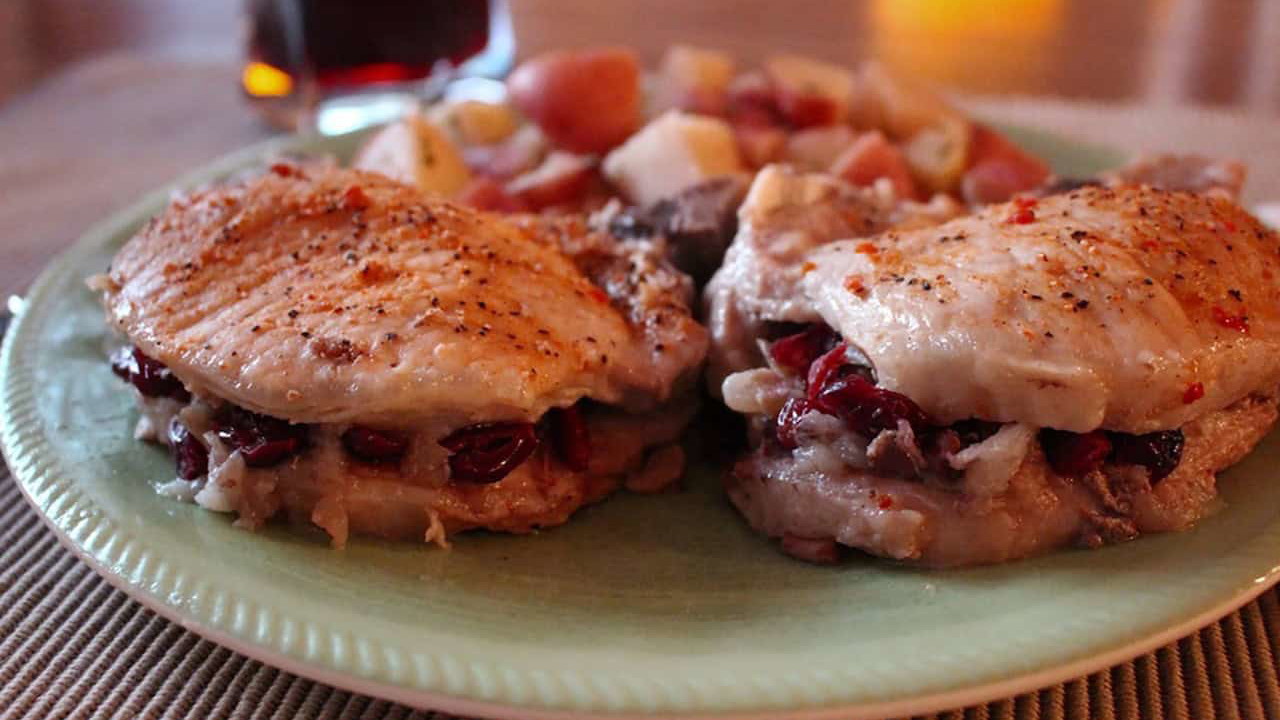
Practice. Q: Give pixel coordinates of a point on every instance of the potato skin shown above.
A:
(586, 101)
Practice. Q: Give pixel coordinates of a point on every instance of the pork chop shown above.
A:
(338, 346)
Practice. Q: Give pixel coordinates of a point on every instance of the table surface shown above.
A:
(92, 137)
(1162, 51)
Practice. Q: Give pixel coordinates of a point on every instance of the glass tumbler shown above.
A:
(334, 66)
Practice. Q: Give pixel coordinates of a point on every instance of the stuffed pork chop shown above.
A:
(341, 348)
(1072, 370)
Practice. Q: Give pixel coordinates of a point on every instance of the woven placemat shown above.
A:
(71, 646)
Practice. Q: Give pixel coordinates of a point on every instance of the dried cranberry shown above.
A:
(488, 452)
(867, 409)
(797, 352)
(1022, 216)
(374, 446)
(150, 376)
(832, 366)
(570, 437)
(788, 418)
(262, 440)
(189, 454)
(848, 391)
(1194, 392)
(1075, 454)
(1159, 452)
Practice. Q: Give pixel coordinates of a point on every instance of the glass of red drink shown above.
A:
(338, 65)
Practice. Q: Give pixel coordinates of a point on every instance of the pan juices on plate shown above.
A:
(1071, 369)
(341, 348)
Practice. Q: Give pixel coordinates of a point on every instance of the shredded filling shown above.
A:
(819, 391)
(429, 481)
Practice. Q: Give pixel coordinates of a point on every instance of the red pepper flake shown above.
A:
(355, 199)
(1150, 245)
(867, 248)
(886, 502)
(284, 169)
(1239, 323)
(1194, 392)
(1230, 226)
(1021, 217)
(854, 285)
(807, 268)
(598, 295)
(1022, 214)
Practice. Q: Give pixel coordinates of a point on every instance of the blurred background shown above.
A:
(102, 100)
(1214, 52)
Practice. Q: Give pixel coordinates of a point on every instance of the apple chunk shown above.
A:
(675, 151)
(415, 151)
(938, 155)
(472, 122)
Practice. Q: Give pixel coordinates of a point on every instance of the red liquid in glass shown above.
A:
(358, 43)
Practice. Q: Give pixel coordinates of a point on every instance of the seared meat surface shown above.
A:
(316, 298)
(349, 350)
(1100, 310)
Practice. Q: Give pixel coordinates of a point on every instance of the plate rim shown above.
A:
(465, 707)
(27, 474)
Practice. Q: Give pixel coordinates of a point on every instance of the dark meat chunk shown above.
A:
(1188, 173)
(698, 223)
(1060, 185)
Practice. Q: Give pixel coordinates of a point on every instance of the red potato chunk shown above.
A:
(871, 157)
(698, 100)
(561, 179)
(586, 101)
(760, 145)
(809, 110)
(753, 101)
(811, 93)
(484, 193)
(998, 169)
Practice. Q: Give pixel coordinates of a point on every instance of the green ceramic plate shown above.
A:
(642, 605)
